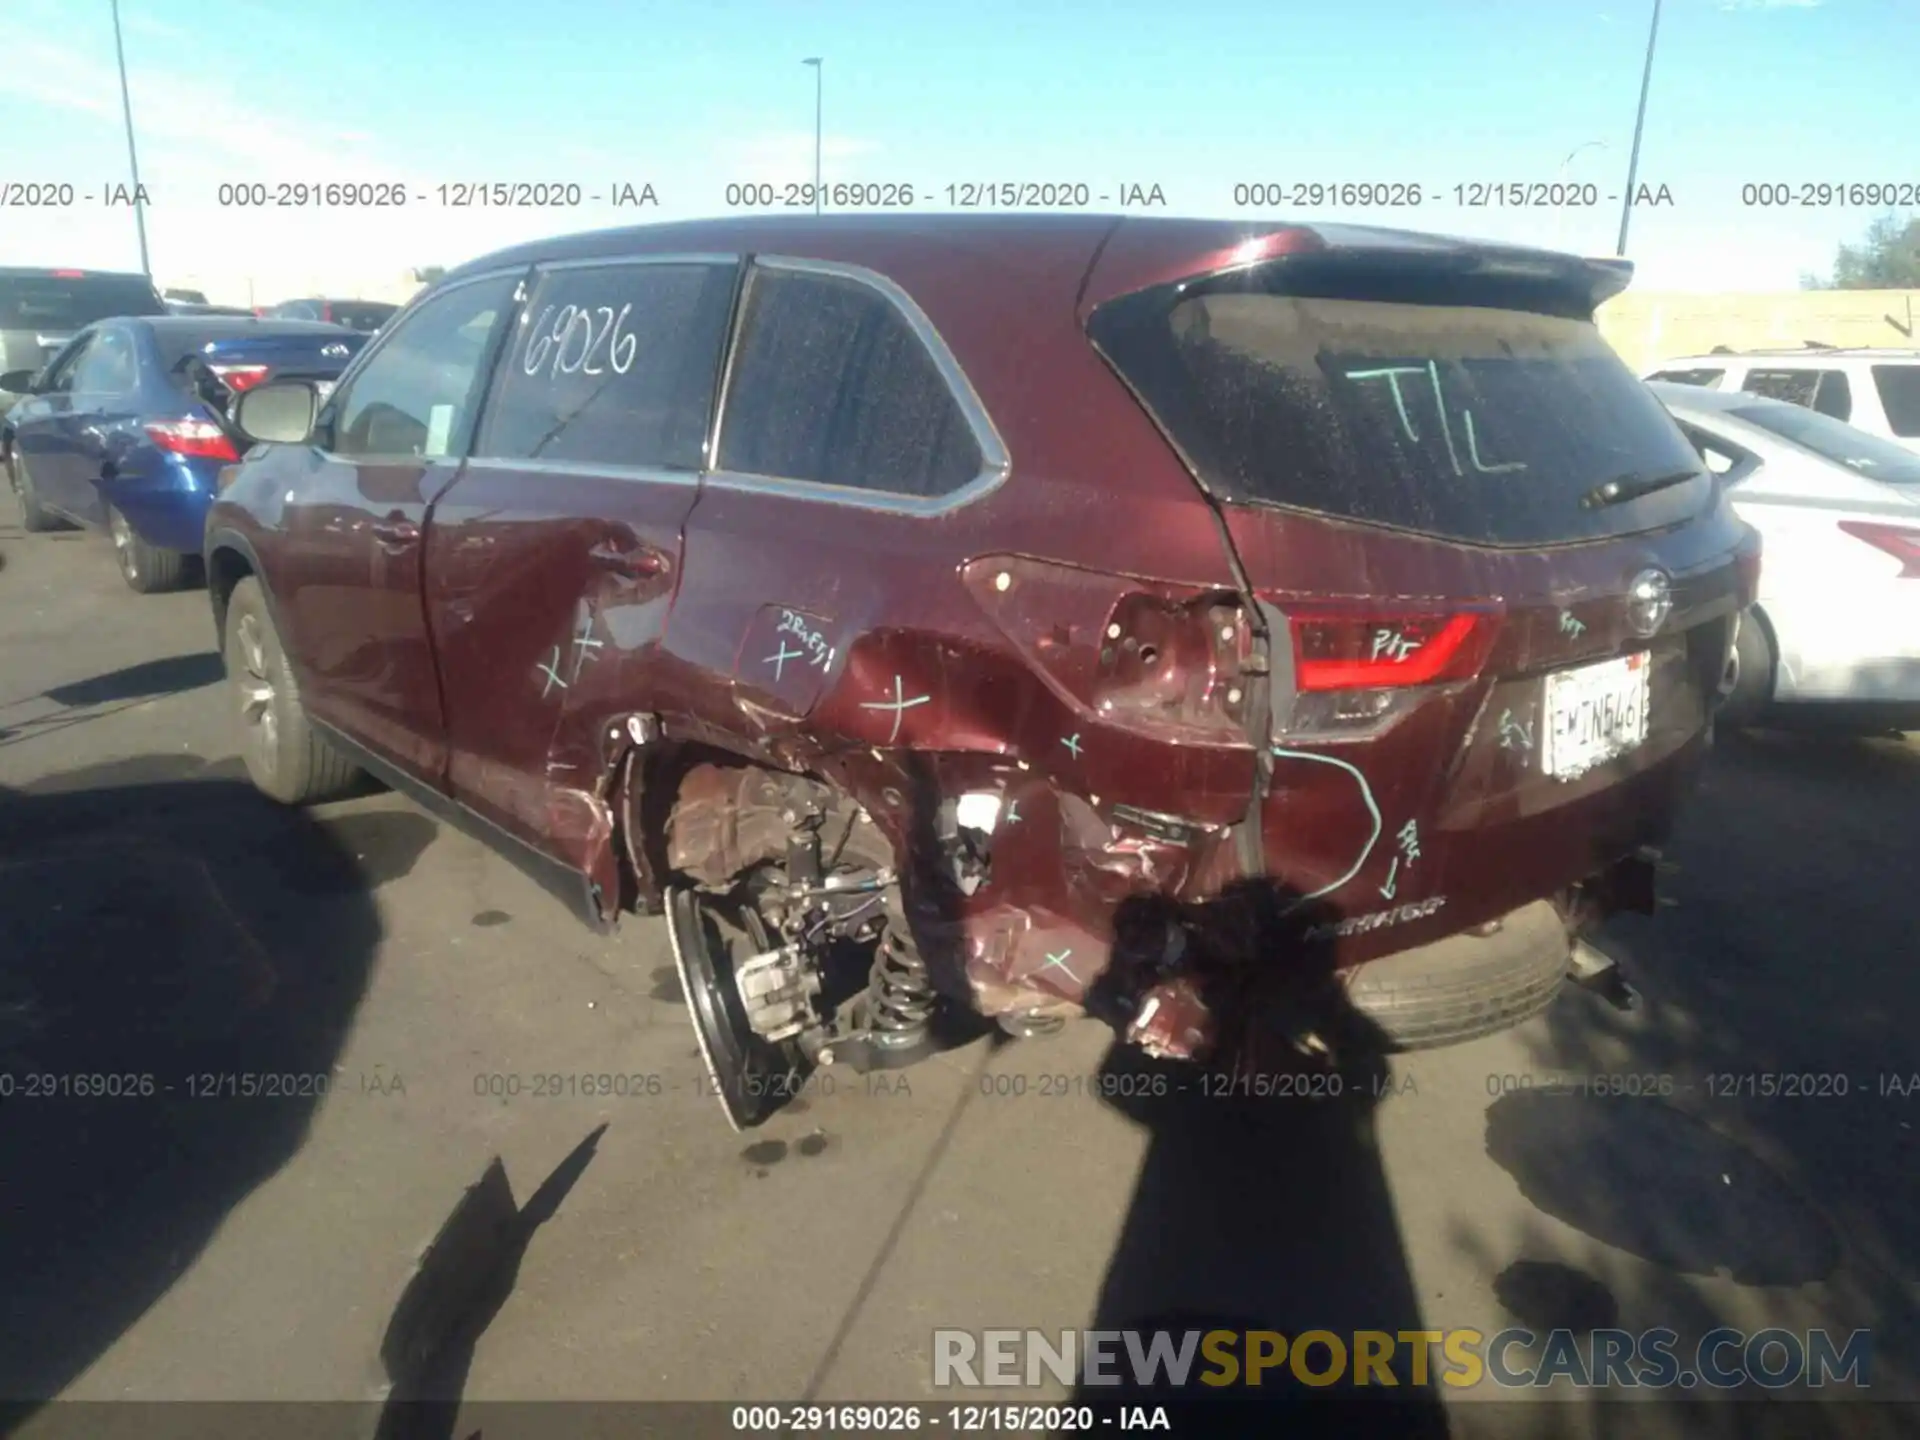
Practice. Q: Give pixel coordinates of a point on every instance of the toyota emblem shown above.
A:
(1649, 602)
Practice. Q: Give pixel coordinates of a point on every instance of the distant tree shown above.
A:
(1887, 258)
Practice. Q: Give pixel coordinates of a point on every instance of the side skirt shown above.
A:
(572, 888)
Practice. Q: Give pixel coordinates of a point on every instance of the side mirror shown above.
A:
(280, 414)
(18, 382)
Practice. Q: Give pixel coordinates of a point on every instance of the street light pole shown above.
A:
(819, 72)
(133, 158)
(1639, 124)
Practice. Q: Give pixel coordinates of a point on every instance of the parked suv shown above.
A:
(1166, 620)
(1877, 391)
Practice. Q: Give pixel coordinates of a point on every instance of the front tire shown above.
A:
(35, 518)
(286, 758)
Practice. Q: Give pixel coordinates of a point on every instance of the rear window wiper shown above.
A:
(1622, 488)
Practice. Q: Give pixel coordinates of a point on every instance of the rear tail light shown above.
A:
(241, 377)
(192, 437)
(326, 313)
(1374, 651)
(1897, 540)
(1358, 670)
(1153, 656)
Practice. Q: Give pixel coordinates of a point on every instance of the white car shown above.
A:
(1877, 391)
(1836, 631)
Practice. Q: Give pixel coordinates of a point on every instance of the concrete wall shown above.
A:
(1649, 327)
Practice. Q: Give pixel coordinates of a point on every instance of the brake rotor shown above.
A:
(751, 1075)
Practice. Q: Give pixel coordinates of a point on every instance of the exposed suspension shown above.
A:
(900, 996)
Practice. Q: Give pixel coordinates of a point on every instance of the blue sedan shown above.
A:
(128, 427)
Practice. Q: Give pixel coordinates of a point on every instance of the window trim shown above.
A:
(1745, 461)
(658, 475)
(995, 461)
(70, 355)
(328, 415)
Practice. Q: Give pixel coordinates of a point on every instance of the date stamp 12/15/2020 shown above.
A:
(1307, 1084)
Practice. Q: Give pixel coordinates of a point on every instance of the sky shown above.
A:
(1195, 97)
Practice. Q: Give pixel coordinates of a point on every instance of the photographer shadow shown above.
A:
(172, 1011)
(1262, 1205)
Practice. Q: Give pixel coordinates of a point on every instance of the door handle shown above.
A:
(395, 531)
(639, 563)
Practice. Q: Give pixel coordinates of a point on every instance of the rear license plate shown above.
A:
(1595, 713)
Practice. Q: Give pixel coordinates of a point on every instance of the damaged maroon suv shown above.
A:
(1020, 618)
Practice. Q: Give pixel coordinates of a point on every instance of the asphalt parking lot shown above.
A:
(157, 918)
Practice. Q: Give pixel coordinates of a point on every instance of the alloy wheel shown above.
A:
(123, 546)
(255, 689)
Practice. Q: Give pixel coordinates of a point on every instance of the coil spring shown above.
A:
(902, 996)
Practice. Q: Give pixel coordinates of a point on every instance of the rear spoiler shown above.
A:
(1335, 261)
(1538, 280)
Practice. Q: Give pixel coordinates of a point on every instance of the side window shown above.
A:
(418, 392)
(832, 384)
(1709, 378)
(1832, 396)
(613, 365)
(1796, 387)
(1899, 387)
(60, 373)
(108, 368)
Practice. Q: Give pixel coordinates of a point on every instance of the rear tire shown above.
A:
(286, 758)
(34, 518)
(1466, 985)
(147, 569)
(1753, 662)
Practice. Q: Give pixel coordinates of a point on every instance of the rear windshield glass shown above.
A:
(57, 305)
(1899, 387)
(1865, 454)
(1473, 423)
(279, 344)
(360, 316)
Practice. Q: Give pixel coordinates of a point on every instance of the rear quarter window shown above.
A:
(1472, 423)
(833, 385)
